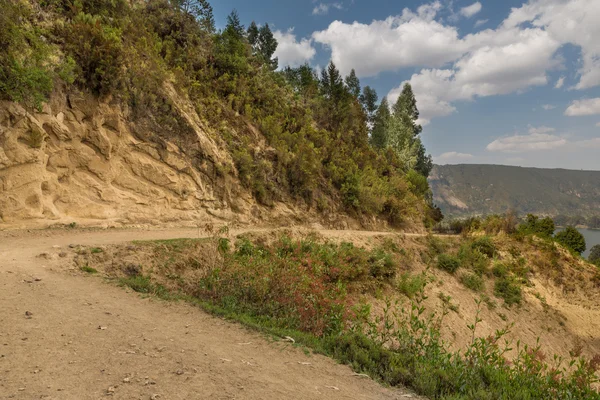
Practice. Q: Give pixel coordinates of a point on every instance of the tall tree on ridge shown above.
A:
(267, 45)
(234, 23)
(368, 99)
(380, 125)
(353, 84)
(200, 9)
(253, 34)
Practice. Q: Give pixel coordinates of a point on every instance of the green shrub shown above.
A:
(97, 49)
(409, 284)
(471, 258)
(484, 245)
(572, 239)
(25, 69)
(594, 256)
(448, 263)
(509, 290)
(472, 281)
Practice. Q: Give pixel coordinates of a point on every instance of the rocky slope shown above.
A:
(83, 160)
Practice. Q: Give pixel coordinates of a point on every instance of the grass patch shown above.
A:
(96, 250)
(143, 284)
(89, 269)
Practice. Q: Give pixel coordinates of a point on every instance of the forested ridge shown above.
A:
(330, 143)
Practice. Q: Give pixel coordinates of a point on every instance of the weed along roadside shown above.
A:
(317, 293)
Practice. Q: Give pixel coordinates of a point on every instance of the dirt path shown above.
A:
(86, 339)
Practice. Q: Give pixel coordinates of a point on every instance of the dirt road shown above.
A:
(65, 336)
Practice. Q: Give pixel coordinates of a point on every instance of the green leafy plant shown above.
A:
(448, 263)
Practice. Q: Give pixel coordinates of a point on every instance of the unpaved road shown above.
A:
(85, 339)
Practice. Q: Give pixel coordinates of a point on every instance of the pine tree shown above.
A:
(353, 84)
(267, 45)
(253, 34)
(380, 125)
(332, 83)
(406, 106)
(234, 24)
(368, 99)
(201, 10)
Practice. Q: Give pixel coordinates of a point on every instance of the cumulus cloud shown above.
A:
(292, 52)
(513, 57)
(537, 139)
(453, 157)
(573, 21)
(323, 8)
(506, 64)
(471, 10)
(579, 108)
(408, 40)
(548, 107)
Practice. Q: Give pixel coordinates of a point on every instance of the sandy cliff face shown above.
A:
(83, 160)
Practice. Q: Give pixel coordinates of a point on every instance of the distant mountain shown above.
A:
(462, 190)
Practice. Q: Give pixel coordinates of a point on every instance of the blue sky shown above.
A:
(497, 81)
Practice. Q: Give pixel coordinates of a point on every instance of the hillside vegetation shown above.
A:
(158, 77)
(464, 190)
(473, 317)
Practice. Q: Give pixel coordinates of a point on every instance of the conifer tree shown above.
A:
(353, 84)
(234, 24)
(253, 34)
(267, 45)
(380, 125)
(368, 99)
(201, 10)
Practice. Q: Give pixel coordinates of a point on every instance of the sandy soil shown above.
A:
(64, 336)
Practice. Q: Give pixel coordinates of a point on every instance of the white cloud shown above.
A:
(573, 21)
(453, 157)
(513, 57)
(517, 60)
(480, 22)
(292, 52)
(471, 10)
(408, 40)
(579, 108)
(548, 107)
(537, 139)
(598, 124)
(323, 8)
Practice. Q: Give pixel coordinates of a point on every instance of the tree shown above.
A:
(406, 108)
(380, 125)
(534, 225)
(368, 99)
(594, 257)
(201, 10)
(266, 46)
(234, 24)
(332, 83)
(353, 84)
(424, 163)
(253, 34)
(572, 239)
